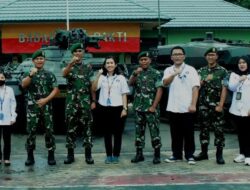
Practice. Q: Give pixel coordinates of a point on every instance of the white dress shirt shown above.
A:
(112, 87)
(239, 107)
(7, 105)
(181, 88)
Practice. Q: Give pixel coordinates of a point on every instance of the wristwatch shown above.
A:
(125, 108)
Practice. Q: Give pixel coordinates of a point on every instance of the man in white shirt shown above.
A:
(183, 82)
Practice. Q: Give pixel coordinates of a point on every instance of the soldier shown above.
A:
(41, 88)
(78, 112)
(148, 91)
(212, 97)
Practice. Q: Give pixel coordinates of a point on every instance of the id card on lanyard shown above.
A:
(109, 90)
(1, 105)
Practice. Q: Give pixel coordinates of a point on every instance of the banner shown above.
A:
(27, 38)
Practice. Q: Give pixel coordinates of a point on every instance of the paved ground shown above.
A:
(125, 175)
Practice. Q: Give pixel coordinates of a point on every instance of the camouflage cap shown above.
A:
(211, 50)
(38, 53)
(144, 54)
(76, 46)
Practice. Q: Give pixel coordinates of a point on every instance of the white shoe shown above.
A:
(247, 161)
(240, 158)
(191, 161)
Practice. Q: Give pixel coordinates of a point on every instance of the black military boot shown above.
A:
(203, 154)
(70, 157)
(30, 160)
(219, 157)
(51, 158)
(138, 157)
(157, 157)
(88, 157)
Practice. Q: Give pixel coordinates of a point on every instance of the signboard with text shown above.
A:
(27, 38)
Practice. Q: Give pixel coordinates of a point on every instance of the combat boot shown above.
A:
(30, 160)
(157, 157)
(88, 157)
(51, 158)
(138, 157)
(219, 157)
(203, 154)
(70, 157)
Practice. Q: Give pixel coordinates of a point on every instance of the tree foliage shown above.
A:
(243, 3)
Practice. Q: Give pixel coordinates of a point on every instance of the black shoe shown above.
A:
(30, 160)
(88, 157)
(70, 157)
(201, 156)
(89, 161)
(138, 157)
(156, 160)
(219, 157)
(157, 157)
(69, 160)
(51, 158)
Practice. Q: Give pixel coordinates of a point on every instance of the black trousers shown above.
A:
(243, 129)
(182, 134)
(5, 131)
(113, 126)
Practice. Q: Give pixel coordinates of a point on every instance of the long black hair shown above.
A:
(247, 60)
(116, 71)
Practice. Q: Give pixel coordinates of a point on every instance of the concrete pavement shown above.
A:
(124, 175)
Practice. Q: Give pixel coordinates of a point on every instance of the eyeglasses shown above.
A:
(177, 54)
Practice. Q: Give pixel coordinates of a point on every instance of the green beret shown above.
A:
(144, 54)
(38, 53)
(211, 50)
(76, 46)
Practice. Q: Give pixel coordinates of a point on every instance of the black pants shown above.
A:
(243, 129)
(113, 126)
(6, 131)
(182, 134)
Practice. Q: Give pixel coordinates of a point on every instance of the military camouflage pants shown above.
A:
(78, 118)
(40, 116)
(209, 118)
(142, 119)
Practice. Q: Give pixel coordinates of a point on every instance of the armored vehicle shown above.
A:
(228, 51)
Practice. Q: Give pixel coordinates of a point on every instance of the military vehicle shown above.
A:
(56, 53)
(228, 51)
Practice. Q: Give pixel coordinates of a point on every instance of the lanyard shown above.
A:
(2, 98)
(110, 85)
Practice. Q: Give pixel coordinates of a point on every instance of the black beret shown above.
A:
(144, 54)
(38, 53)
(76, 46)
(211, 50)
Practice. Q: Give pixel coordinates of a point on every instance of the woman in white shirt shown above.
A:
(7, 118)
(113, 106)
(239, 84)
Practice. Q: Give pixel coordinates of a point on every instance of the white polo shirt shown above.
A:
(180, 89)
(117, 85)
(7, 105)
(239, 107)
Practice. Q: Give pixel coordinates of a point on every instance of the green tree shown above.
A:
(243, 3)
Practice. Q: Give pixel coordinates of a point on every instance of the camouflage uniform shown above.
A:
(210, 93)
(43, 82)
(145, 88)
(78, 110)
